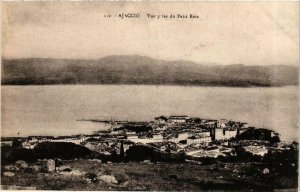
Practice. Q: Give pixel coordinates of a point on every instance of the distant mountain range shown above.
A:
(136, 69)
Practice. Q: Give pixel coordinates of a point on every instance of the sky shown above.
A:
(250, 33)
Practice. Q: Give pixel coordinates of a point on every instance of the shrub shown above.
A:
(62, 150)
(12, 154)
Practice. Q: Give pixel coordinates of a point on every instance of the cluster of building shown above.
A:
(195, 136)
(185, 129)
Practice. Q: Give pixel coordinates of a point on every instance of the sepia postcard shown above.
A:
(150, 95)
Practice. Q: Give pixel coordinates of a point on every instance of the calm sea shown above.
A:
(54, 110)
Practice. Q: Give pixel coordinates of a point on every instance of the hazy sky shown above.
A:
(252, 33)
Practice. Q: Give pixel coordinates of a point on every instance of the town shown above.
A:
(193, 136)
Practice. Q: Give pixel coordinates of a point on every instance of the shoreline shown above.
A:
(153, 85)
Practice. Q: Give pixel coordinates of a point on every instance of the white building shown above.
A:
(183, 136)
(178, 119)
(256, 150)
(213, 152)
(144, 140)
(6, 143)
(173, 139)
(130, 133)
(203, 134)
(132, 137)
(29, 145)
(194, 140)
(157, 137)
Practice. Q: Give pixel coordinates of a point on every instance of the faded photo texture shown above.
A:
(164, 96)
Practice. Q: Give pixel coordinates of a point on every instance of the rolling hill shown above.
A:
(134, 69)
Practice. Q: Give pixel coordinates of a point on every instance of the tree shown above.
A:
(17, 143)
(122, 153)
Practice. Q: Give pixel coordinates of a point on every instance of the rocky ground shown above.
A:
(94, 175)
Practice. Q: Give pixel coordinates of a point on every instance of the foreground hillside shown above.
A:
(147, 176)
(67, 166)
(141, 70)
